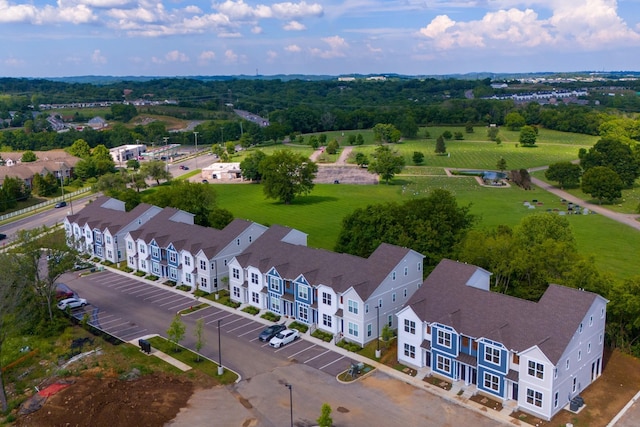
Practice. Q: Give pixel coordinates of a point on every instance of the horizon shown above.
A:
(65, 38)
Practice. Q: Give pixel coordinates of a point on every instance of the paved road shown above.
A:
(630, 220)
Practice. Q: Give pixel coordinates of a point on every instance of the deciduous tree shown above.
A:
(286, 174)
(386, 163)
(176, 331)
(250, 165)
(155, 169)
(567, 174)
(528, 135)
(602, 183)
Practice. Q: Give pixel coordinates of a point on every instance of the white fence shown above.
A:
(44, 204)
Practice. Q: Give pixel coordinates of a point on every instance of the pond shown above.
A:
(486, 175)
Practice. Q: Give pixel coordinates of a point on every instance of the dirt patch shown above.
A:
(328, 174)
(608, 394)
(150, 400)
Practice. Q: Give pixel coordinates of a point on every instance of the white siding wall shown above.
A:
(411, 339)
(327, 310)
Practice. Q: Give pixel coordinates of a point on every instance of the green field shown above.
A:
(320, 214)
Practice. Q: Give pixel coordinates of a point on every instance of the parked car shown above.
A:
(61, 204)
(271, 332)
(204, 181)
(284, 338)
(73, 302)
(185, 168)
(3, 236)
(63, 292)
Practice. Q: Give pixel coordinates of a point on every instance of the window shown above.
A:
(203, 265)
(213, 266)
(225, 262)
(491, 382)
(419, 266)
(555, 373)
(173, 257)
(444, 338)
(534, 398)
(405, 293)
(203, 282)
(142, 249)
(353, 306)
(155, 252)
(255, 297)
(409, 326)
(155, 269)
(99, 251)
(236, 273)
(590, 320)
(275, 305)
(602, 312)
(536, 369)
(369, 330)
(589, 348)
(109, 254)
(443, 364)
(580, 328)
(326, 320)
(250, 239)
(491, 355)
(276, 284)
(130, 245)
(390, 320)
(254, 278)
(303, 292)
(236, 292)
(380, 302)
(303, 313)
(555, 400)
(238, 242)
(406, 271)
(579, 355)
(393, 297)
(143, 264)
(187, 277)
(173, 274)
(326, 298)
(573, 386)
(353, 329)
(366, 308)
(187, 261)
(108, 240)
(567, 364)
(600, 339)
(410, 351)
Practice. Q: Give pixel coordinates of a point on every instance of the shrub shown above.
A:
(251, 310)
(272, 317)
(139, 273)
(151, 277)
(184, 288)
(198, 293)
(324, 336)
(169, 283)
(349, 346)
(299, 326)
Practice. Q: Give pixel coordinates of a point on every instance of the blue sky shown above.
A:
(49, 38)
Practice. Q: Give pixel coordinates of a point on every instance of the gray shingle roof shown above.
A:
(519, 324)
(96, 215)
(319, 266)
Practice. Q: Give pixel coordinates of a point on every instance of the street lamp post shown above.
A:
(290, 401)
(196, 135)
(378, 327)
(220, 368)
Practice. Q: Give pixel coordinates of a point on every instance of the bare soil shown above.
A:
(151, 400)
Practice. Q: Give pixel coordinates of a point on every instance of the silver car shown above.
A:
(73, 302)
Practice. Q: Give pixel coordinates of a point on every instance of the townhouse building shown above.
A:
(346, 295)
(172, 247)
(100, 227)
(538, 354)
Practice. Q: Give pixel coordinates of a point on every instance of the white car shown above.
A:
(73, 302)
(284, 338)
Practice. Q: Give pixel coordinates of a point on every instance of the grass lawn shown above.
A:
(320, 214)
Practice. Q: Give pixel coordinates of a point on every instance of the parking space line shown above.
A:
(315, 357)
(230, 322)
(223, 317)
(111, 321)
(121, 324)
(152, 293)
(289, 345)
(242, 326)
(121, 331)
(133, 334)
(217, 310)
(144, 290)
(170, 297)
(302, 351)
(252, 331)
(331, 363)
(180, 305)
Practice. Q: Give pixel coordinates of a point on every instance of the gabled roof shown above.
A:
(189, 237)
(103, 214)
(319, 266)
(549, 323)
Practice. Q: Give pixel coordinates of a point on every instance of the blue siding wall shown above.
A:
(481, 385)
(501, 367)
(453, 350)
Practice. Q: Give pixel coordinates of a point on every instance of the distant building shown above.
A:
(222, 171)
(123, 153)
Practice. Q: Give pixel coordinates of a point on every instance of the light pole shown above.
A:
(220, 368)
(196, 134)
(290, 401)
(378, 327)
(166, 152)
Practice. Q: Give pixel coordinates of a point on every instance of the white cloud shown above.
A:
(98, 58)
(242, 11)
(271, 56)
(294, 26)
(13, 62)
(28, 13)
(337, 46)
(256, 30)
(176, 56)
(578, 24)
(292, 48)
(373, 49)
(207, 55)
(230, 56)
(290, 10)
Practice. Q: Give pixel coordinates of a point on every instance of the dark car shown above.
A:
(3, 236)
(184, 168)
(63, 292)
(61, 204)
(271, 332)
(204, 181)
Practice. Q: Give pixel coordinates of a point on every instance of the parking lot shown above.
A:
(116, 301)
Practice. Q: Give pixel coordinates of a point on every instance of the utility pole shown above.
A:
(196, 135)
